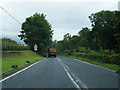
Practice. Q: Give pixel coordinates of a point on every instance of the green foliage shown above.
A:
(83, 50)
(19, 58)
(105, 33)
(67, 37)
(105, 65)
(8, 44)
(53, 44)
(77, 50)
(84, 32)
(106, 52)
(36, 30)
(104, 56)
(106, 27)
(8, 40)
(101, 43)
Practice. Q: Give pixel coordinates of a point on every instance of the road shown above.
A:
(63, 72)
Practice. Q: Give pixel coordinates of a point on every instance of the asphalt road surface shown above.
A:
(63, 72)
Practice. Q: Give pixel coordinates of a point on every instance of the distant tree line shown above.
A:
(104, 35)
(8, 44)
(101, 43)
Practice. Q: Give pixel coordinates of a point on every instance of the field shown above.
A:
(19, 58)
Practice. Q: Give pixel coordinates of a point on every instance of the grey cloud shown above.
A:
(69, 17)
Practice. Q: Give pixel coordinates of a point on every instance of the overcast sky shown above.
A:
(65, 16)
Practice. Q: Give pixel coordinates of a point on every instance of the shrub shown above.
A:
(8, 44)
(77, 50)
(111, 59)
(106, 52)
(115, 59)
(84, 50)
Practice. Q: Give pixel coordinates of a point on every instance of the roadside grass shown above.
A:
(19, 58)
(113, 67)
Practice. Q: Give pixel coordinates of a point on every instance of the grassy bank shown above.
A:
(113, 67)
(105, 58)
(19, 58)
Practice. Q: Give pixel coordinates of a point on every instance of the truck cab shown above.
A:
(52, 52)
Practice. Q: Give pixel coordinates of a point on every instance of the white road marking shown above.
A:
(77, 86)
(18, 72)
(72, 76)
(59, 60)
(94, 65)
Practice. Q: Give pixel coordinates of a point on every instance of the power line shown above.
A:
(10, 15)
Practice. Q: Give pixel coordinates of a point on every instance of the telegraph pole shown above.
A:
(119, 6)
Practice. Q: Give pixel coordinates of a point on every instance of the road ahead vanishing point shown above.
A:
(63, 72)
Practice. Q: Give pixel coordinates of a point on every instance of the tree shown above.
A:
(67, 36)
(85, 37)
(53, 44)
(7, 40)
(84, 32)
(105, 27)
(36, 30)
(9, 44)
(117, 30)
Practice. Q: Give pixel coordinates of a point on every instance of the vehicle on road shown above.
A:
(52, 52)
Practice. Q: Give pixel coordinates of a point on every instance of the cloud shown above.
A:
(63, 16)
(59, 0)
(60, 32)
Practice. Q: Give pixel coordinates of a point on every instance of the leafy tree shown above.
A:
(105, 27)
(85, 38)
(59, 46)
(7, 40)
(8, 44)
(67, 36)
(65, 42)
(36, 30)
(84, 32)
(117, 30)
(105, 34)
(74, 42)
(53, 44)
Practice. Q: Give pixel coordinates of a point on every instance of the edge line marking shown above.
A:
(18, 72)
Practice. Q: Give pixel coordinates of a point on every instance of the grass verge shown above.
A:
(19, 58)
(113, 67)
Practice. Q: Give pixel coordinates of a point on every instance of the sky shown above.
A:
(65, 16)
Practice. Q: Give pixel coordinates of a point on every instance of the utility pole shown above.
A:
(119, 6)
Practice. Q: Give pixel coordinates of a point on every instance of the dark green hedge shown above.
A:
(111, 59)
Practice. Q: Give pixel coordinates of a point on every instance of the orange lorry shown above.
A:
(52, 52)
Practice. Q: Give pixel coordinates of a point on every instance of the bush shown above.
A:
(104, 58)
(84, 50)
(44, 54)
(115, 59)
(106, 52)
(8, 44)
(69, 52)
(77, 50)
(79, 54)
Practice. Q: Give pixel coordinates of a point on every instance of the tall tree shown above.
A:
(104, 24)
(36, 30)
(84, 36)
(117, 30)
(67, 36)
(84, 32)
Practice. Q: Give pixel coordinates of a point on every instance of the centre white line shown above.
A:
(77, 86)
(76, 81)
